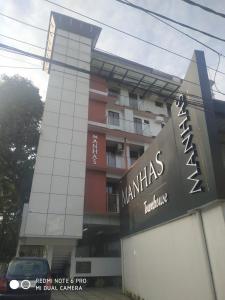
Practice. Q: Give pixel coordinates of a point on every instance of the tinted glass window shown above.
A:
(28, 268)
(83, 267)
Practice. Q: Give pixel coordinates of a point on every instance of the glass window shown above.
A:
(135, 153)
(28, 268)
(111, 159)
(83, 267)
(113, 118)
(138, 125)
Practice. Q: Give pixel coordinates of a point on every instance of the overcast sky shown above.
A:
(37, 12)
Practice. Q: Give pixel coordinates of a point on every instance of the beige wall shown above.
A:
(213, 220)
(57, 194)
(170, 262)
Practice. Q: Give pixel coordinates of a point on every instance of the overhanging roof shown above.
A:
(139, 78)
(73, 25)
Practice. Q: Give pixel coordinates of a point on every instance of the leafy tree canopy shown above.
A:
(21, 109)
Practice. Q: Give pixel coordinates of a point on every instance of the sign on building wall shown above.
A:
(94, 147)
(96, 150)
(181, 170)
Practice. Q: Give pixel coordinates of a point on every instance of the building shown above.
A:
(94, 127)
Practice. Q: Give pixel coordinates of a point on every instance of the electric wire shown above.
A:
(56, 52)
(109, 26)
(189, 36)
(194, 83)
(35, 56)
(19, 60)
(20, 41)
(169, 19)
(80, 60)
(192, 103)
(217, 90)
(182, 32)
(193, 100)
(209, 10)
(129, 34)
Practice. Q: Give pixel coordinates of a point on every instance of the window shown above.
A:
(113, 118)
(32, 268)
(112, 197)
(135, 153)
(111, 159)
(159, 104)
(138, 125)
(133, 100)
(83, 267)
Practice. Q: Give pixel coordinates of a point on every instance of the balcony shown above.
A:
(140, 126)
(113, 203)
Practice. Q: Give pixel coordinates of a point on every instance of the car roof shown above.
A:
(29, 258)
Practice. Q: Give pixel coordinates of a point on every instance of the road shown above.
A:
(91, 294)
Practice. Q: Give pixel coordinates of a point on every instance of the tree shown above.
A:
(21, 110)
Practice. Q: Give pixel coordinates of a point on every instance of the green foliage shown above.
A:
(132, 296)
(21, 109)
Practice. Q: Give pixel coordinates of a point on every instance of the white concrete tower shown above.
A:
(53, 218)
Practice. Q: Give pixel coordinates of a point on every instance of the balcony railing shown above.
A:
(129, 126)
(113, 203)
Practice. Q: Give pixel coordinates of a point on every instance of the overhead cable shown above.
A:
(209, 10)
(56, 62)
(182, 32)
(114, 28)
(170, 19)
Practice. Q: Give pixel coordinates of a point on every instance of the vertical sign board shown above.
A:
(182, 169)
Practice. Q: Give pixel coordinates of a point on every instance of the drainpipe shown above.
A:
(207, 254)
(125, 153)
(73, 261)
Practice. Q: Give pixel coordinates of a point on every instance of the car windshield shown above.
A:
(27, 268)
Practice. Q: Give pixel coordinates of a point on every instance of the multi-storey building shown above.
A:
(97, 122)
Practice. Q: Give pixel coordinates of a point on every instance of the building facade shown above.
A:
(101, 113)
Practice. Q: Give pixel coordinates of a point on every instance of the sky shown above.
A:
(37, 12)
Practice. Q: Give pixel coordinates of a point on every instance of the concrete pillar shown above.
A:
(128, 155)
(124, 97)
(73, 261)
(128, 120)
(49, 255)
